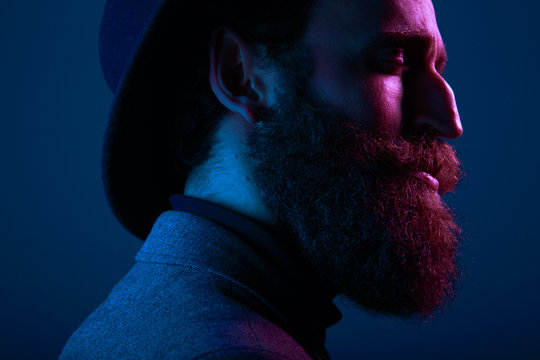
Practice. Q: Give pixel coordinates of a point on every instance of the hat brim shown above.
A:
(138, 162)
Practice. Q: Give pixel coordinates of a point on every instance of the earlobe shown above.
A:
(232, 76)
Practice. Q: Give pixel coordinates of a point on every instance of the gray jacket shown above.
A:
(200, 291)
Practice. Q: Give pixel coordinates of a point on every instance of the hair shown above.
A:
(272, 28)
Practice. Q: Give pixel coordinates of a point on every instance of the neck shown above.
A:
(223, 178)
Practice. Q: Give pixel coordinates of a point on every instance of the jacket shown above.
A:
(199, 290)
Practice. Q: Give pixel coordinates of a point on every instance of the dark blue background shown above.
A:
(62, 250)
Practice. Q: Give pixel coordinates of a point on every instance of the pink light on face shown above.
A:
(353, 165)
(383, 70)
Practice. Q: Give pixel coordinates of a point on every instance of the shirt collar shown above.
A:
(268, 240)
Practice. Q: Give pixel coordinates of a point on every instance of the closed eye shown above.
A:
(414, 46)
(390, 61)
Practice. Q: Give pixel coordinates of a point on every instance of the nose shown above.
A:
(428, 101)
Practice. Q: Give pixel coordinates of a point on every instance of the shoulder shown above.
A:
(172, 319)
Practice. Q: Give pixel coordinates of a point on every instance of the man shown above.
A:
(312, 167)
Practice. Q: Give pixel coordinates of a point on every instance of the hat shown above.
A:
(153, 53)
(140, 48)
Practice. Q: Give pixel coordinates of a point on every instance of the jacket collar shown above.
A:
(249, 254)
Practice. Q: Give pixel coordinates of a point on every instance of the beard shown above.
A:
(367, 228)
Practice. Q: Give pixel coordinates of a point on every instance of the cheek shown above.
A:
(343, 88)
(381, 99)
(386, 102)
(374, 100)
(332, 79)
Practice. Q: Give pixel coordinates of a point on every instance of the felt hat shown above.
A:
(141, 45)
(153, 54)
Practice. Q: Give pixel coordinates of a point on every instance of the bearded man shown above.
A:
(274, 156)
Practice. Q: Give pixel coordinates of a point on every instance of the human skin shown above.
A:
(343, 154)
(378, 62)
(381, 63)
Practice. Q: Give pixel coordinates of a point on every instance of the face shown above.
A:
(381, 63)
(338, 159)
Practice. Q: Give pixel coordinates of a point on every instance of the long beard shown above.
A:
(367, 227)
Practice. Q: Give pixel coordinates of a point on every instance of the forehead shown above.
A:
(353, 20)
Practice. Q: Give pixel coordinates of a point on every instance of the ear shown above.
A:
(234, 79)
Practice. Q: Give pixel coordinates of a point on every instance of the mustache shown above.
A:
(324, 133)
(396, 157)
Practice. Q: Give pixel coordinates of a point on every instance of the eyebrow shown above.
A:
(405, 39)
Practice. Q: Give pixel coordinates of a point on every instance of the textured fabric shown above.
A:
(123, 26)
(199, 291)
(269, 240)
